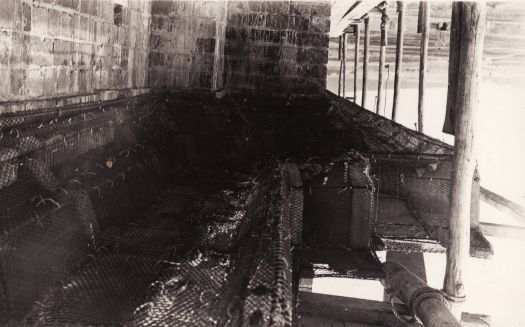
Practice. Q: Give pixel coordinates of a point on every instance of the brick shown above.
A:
(257, 35)
(5, 47)
(26, 17)
(298, 23)
(35, 83)
(85, 6)
(320, 24)
(301, 8)
(206, 45)
(50, 82)
(7, 13)
(40, 20)
(18, 77)
(277, 21)
(63, 52)
(54, 22)
(161, 7)
(66, 24)
(312, 55)
(4, 83)
(19, 51)
(40, 51)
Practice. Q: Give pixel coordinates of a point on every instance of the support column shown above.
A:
(344, 64)
(366, 57)
(472, 27)
(340, 57)
(382, 55)
(425, 21)
(357, 33)
(399, 55)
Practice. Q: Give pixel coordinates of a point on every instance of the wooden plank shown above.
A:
(346, 12)
(348, 309)
(503, 204)
(399, 55)
(506, 231)
(464, 161)
(366, 57)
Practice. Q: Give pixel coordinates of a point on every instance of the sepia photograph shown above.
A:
(284, 163)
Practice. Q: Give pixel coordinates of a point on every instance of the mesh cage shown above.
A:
(416, 188)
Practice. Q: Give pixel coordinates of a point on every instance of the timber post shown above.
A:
(382, 58)
(427, 303)
(472, 20)
(344, 64)
(356, 58)
(340, 57)
(425, 21)
(366, 57)
(399, 55)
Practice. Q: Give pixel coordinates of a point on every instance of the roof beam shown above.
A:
(346, 12)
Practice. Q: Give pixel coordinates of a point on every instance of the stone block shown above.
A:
(63, 52)
(300, 8)
(19, 50)
(26, 17)
(320, 24)
(66, 25)
(206, 9)
(161, 7)
(289, 53)
(85, 6)
(299, 23)
(63, 80)
(54, 22)
(7, 13)
(40, 20)
(259, 35)
(4, 83)
(206, 45)
(35, 83)
(40, 51)
(313, 56)
(50, 82)
(5, 47)
(277, 21)
(18, 82)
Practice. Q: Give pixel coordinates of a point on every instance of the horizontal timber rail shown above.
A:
(424, 302)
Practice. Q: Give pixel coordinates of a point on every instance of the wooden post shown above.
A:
(423, 63)
(453, 61)
(357, 33)
(366, 57)
(472, 20)
(423, 301)
(344, 64)
(399, 55)
(340, 57)
(382, 55)
(420, 17)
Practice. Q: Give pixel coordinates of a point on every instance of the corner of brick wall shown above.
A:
(277, 48)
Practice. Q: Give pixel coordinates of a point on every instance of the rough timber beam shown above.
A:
(346, 309)
(345, 12)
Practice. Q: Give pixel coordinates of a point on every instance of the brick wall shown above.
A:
(277, 47)
(186, 42)
(54, 48)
